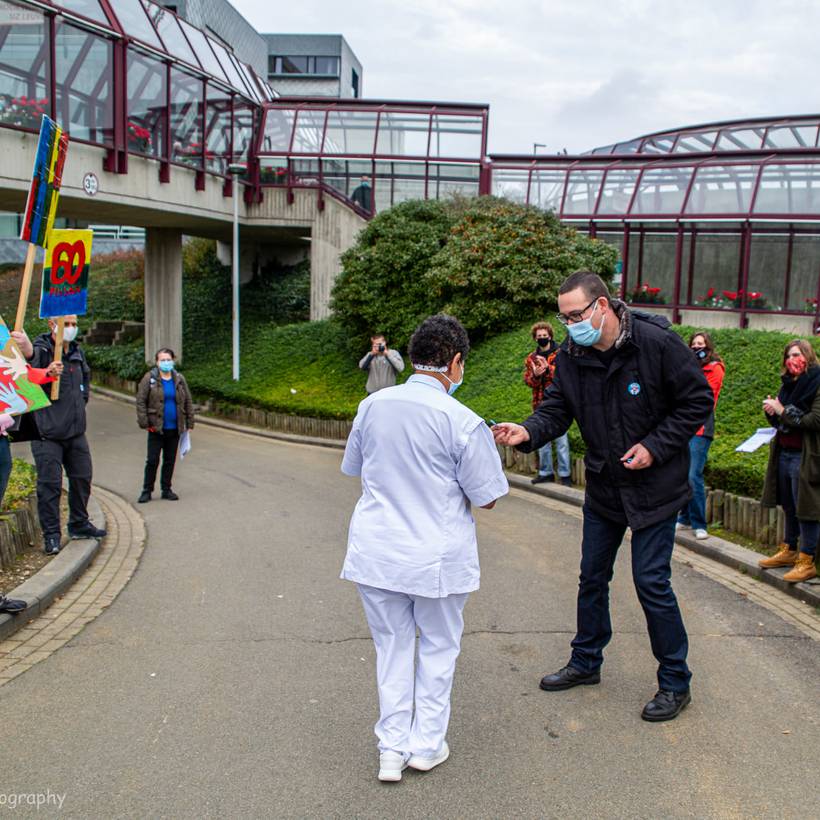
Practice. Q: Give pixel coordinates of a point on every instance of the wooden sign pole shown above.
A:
(58, 356)
(25, 287)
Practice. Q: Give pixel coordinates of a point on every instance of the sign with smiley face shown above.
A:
(65, 273)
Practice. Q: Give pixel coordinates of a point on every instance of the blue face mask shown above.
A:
(583, 333)
(455, 385)
(166, 365)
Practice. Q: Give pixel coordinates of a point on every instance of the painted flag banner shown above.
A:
(41, 206)
(18, 393)
(65, 273)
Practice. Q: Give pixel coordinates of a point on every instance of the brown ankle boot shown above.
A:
(803, 569)
(784, 557)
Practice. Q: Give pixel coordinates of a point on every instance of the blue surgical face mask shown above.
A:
(583, 333)
(443, 370)
(166, 365)
(454, 385)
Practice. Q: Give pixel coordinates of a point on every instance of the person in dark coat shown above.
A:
(638, 395)
(60, 441)
(165, 409)
(793, 472)
(363, 195)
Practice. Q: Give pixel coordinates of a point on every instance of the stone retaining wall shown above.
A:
(18, 530)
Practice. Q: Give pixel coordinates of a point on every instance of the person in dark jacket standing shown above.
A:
(793, 472)
(638, 395)
(165, 409)
(61, 441)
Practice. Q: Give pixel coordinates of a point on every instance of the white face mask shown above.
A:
(69, 333)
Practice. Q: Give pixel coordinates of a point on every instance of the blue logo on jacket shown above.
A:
(634, 389)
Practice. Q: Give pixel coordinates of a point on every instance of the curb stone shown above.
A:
(54, 578)
(724, 552)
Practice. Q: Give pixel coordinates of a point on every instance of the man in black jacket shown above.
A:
(638, 395)
(61, 440)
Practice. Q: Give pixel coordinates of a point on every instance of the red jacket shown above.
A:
(714, 372)
(539, 383)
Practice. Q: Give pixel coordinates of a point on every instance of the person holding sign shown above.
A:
(792, 478)
(166, 410)
(61, 442)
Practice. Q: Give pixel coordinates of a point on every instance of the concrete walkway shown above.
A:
(234, 675)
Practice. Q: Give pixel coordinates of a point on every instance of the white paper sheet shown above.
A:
(184, 444)
(763, 435)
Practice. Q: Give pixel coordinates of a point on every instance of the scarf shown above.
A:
(800, 392)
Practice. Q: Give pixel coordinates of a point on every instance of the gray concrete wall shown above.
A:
(163, 290)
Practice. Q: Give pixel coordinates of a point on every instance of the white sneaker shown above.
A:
(701, 534)
(424, 764)
(680, 526)
(391, 765)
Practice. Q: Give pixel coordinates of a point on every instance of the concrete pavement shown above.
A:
(234, 674)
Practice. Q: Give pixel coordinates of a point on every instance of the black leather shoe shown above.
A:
(144, 498)
(51, 544)
(88, 530)
(170, 495)
(568, 677)
(566, 481)
(665, 705)
(543, 479)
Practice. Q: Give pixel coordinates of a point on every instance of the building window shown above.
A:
(322, 66)
(354, 83)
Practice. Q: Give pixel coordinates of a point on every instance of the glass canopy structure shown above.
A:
(721, 216)
(131, 76)
(404, 150)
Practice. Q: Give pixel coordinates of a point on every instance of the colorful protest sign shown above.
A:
(41, 206)
(18, 393)
(65, 273)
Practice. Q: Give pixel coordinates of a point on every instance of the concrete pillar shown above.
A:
(334, 230)
(163, 290)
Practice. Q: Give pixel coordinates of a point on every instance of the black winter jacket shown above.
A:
(653, 393)
(65, 418)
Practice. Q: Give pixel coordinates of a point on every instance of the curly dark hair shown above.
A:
(437, 340)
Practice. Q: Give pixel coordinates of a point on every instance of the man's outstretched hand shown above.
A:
(509, 434)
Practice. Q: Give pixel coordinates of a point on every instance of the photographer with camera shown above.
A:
(381, 364)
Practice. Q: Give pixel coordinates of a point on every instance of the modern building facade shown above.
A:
(313, 65)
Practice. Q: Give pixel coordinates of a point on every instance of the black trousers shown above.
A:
(50, 457)
(165, 443)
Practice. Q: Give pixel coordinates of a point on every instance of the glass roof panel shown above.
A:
(350, 132)
(308, 135)
(207, 58)
(249, 81)
(456, 136)
(789, 189)
(88, 8)
(658, 145)
(582, 191)
(403, 134)
(740, 139)
(792, 136)
(278, 129)
(175, 43)
(722, 189)
(547, 188)
(135, 23)
(229, 68)
(661, 190)
(618, 189)
(244, 87)
(699, 141)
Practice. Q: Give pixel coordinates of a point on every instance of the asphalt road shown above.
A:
(234, 675)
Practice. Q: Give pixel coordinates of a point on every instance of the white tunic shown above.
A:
(423, 458)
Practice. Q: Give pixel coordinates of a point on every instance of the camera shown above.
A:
(381, 348)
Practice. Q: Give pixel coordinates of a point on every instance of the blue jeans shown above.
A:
(694, 513)
(788, 480)
(651, 573)
(5, 466)
(562, 454)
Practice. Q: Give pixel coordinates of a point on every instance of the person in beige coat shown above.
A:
(165, 409)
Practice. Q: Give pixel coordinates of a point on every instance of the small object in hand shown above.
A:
(630, 459)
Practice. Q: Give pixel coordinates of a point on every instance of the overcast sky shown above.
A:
(575, 74)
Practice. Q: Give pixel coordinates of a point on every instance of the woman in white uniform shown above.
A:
(424, 459)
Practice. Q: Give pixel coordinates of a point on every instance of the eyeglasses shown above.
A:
(575, 315)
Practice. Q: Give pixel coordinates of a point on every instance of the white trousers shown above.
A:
(393, 618)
